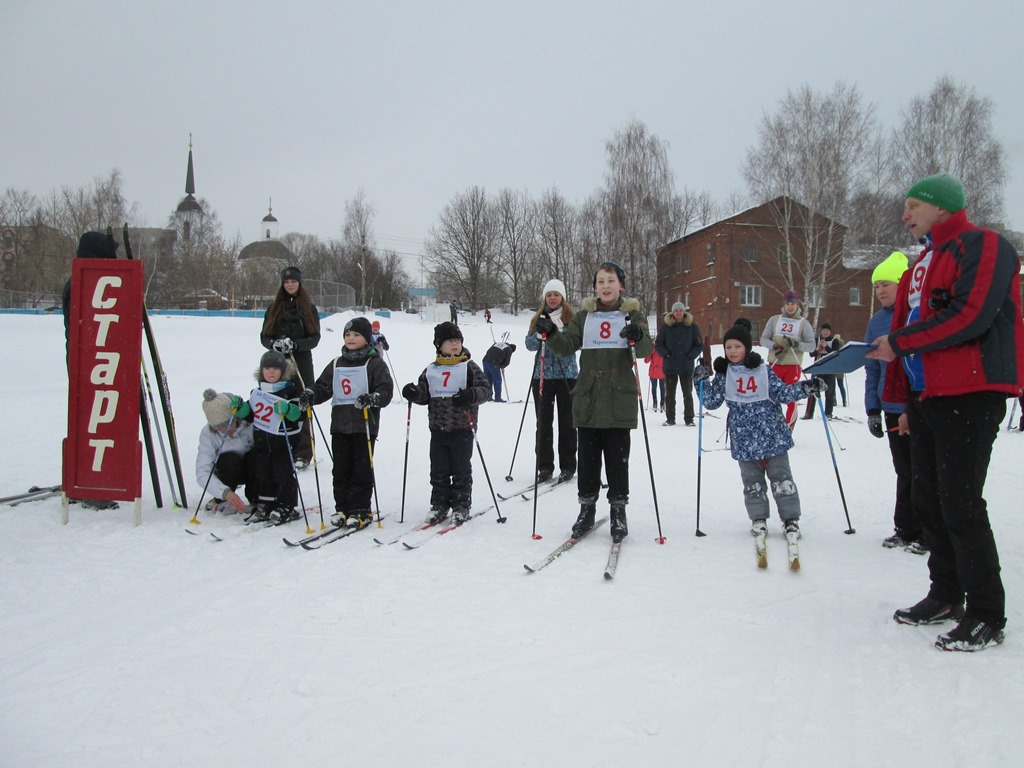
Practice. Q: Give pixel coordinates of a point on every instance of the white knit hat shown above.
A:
(678, 305)
(217, 408)
(554, 284)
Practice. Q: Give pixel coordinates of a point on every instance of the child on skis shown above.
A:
(277, 420)
(605, 399)
(452, 387)
(758, 432)
(358, 384)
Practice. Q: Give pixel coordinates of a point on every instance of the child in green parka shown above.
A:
(605, 400)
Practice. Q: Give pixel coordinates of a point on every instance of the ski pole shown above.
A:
(700, 447)
(387, 358)
(295, 474)
(515, 450)
(538, 403)
(405, 464)
(483, 463)
(159, 432)
(316, 469)
(223, 440)
(1013, 411)
(147, 436)
(308, 424)
(373, 473)
(835, 466)
(647, 442)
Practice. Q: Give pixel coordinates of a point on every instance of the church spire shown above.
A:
(189, 204)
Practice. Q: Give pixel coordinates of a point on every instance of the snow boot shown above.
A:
(792, 526)
(970, 634)
(338, 519)
(619, 529)
(931, 610)
(437, 514)
(359, 518)
(459, 516)
(585, 521)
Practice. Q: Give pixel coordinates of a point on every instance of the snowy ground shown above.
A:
(140, 646)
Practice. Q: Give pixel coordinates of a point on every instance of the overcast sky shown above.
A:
(415, 102)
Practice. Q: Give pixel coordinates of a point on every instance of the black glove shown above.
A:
(700, 373)
(284, 346)
(721, 365)
(410, 391)
(778, 349)
(753, 360)
(545, 325)
(383, 343)
(632, 332)
(306, 398)
(875, 423)
(794, 343)
(370, 400)
(815, 386)
(463, 397)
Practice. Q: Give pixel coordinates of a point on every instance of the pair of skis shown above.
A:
(565, 546)
(331, 535)
(32, 494)
(792, 549)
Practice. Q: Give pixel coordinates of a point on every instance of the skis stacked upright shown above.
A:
(165, 395)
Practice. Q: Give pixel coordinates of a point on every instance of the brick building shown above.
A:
(736, 267)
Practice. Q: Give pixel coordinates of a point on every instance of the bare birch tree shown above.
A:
(811, 158)
(463, 247)
(517, 223)
(950, 130)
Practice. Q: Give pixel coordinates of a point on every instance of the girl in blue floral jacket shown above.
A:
(758, 431)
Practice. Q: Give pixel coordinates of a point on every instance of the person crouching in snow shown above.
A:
(277, 420)
(758, 431)
(452, 387)
(358, 384)
(225, 459)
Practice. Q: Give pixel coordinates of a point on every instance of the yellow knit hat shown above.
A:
(892, 269)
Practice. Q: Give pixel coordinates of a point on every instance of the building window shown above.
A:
(815, 296)
(679, 263)
(819, 256)
(855, 297)
(711, 253)
(750, 252)
(783, 254)
(750, 296)
(686, 261)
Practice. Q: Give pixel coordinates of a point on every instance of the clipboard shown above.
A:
(846, 359)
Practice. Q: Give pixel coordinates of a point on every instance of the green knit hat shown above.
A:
(941, 190)
(892, 269)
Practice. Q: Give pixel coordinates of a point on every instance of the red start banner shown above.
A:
(102, 452)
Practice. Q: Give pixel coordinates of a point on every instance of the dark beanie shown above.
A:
(445, 331)
(361, 326)
(274, 359)
(826, 325)
(96, 245)
(291, 273)
(744, 322)
(611, 266)
(741, 334)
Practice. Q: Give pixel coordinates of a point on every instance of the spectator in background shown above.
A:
(787, 336)
(679, 343)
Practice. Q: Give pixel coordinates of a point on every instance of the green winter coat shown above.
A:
(605, 395)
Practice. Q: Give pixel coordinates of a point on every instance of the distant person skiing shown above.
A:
(496, 360)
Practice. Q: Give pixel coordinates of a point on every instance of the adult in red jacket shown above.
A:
(955, 352)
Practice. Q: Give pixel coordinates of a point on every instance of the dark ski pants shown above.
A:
(451, 469)
(673, 380)
(493, 372)
(274, 468)
(657, 385)
(557, 393)
(236, 470)
(353, 474)
(611, 445)
(904, 520)
(950, 447)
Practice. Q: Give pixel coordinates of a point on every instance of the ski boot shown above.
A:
(359, 518)
(619, 529)
(437, 515)
(459, 516)
(585, 521)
